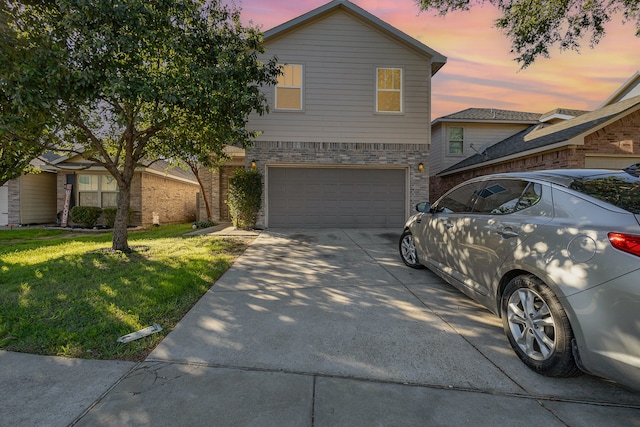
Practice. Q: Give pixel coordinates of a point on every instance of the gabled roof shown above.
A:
(490, 115)
(541, 138)
(628, 89)
(437, 60)
(561, 114)
(56, 162)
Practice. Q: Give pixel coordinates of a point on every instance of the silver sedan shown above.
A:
(555, 254)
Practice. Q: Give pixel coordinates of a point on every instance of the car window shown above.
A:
(530, 197)
(500, 196)
(460, 199)
(621, 190)
(507, 196)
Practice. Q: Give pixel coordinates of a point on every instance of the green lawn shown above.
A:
(70, 295)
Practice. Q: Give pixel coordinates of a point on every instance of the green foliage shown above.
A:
(109, 215)
(623, 193)
(204, 224)
(245, 197)
(126, 81)
(85, 216)
(535, 25)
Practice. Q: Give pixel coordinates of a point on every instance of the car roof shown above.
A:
(562, 177)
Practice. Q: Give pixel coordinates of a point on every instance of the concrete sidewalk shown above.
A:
(316, 328)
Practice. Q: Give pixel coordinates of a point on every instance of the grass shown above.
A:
(73, 296)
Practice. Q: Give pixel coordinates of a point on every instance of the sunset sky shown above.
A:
(480, 71)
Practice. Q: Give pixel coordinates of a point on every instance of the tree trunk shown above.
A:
(195, 171)
(120, 234)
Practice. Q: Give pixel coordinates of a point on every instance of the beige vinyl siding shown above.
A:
(435, 150)
(339, 55)
(477, 134)
(609, 162)
(38, 198)
(4, 204)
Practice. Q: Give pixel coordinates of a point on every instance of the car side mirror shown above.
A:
(423, 207)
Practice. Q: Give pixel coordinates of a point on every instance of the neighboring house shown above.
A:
(460, 135)
(346, 141)
(30, 198)
(160, 194)
(606, 138)
(629, 89)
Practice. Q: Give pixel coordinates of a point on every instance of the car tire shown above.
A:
(408, 251)
(538, 328)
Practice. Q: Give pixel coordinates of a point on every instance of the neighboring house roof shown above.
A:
(561, 114)
(490, 115)
(541, 138)
(437, 59)
(629, 89)
(56, 162)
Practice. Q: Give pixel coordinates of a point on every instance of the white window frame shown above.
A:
(99, 192)
(400, 90)
(449, 140)
(292, 86)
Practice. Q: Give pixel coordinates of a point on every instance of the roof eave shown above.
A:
(490, 121)
(437, 60)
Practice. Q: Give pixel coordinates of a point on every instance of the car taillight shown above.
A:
(629, 243)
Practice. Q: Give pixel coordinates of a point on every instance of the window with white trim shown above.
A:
(456, 140)
(97, 190)
(289, 88)
(389, 90)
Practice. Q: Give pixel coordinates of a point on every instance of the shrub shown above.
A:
(109, 215)
(204, 224)
(85, 216)
(245, 197)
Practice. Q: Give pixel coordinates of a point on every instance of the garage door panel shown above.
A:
(336, 197)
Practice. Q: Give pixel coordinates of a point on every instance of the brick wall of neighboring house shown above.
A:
(171, 200)
(351, 154)
(14, 201)
(619, 139)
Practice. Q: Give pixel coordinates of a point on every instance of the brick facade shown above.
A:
(14, 201)
(174, 201)
(216, 185)
(373, 155)
(619, 139)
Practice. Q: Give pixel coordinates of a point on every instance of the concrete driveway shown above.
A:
(329, 328)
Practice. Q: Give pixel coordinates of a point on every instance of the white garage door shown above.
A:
(336, 197)
(4, 205)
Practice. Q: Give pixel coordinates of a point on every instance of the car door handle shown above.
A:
(507, 232)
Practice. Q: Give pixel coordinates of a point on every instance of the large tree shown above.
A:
(125, 73)
(25, 125)
(535, 25)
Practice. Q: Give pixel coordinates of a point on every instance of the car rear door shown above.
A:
(502, 218)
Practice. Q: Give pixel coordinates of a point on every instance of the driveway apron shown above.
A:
(328, 327)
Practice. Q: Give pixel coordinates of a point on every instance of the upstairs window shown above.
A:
(289, 88)
(389, 90)
(97, 190)
(456, 140)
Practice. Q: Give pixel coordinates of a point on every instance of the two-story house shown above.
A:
(457, 136)
(346, 141)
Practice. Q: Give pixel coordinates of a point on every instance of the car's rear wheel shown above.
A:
(408, 251)
(538, 327)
